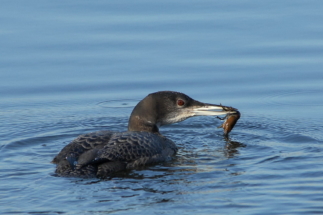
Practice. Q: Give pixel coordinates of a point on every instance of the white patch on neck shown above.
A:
(173, 118)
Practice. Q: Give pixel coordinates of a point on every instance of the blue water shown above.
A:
(73, 67)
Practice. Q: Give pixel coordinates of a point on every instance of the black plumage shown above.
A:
(102, 153)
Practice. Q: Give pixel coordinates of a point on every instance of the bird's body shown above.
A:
(102, 153)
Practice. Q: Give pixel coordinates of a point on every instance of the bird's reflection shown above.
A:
(232, 146)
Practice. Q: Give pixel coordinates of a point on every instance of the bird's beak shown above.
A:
(205, 109)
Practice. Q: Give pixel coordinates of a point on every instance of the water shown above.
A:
(68, 68)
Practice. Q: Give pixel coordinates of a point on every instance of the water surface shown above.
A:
(68, 68)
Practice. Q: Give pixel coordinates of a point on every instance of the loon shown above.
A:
(103, 153)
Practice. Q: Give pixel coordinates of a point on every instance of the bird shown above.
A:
(103, 153)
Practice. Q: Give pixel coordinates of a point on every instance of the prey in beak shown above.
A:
(231, 118)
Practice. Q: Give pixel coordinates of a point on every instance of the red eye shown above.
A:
(180, 102)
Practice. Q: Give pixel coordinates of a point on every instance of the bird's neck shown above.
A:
(136, 123)
(144, 116)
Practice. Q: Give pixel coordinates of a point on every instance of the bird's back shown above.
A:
(103, 153)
